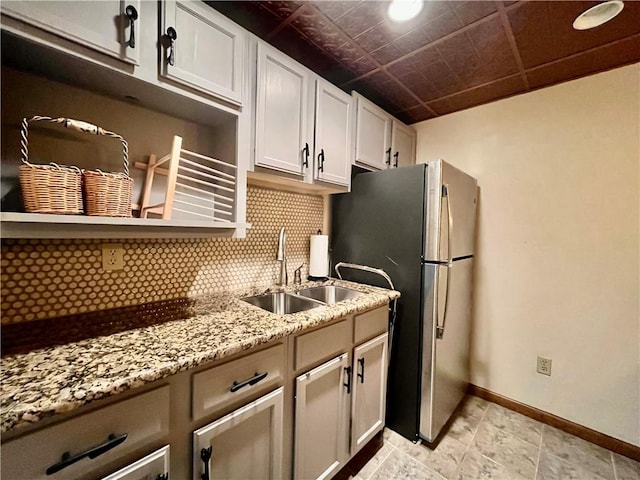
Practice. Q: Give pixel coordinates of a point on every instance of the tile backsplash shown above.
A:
(50, 278)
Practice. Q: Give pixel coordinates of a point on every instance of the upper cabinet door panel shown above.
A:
(99, 25)
(373, 127)
(403, 145)
(281, 112)
(208, 50)
(333, 134)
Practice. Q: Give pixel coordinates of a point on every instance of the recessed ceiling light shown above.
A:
(598, 14)
(403, 10)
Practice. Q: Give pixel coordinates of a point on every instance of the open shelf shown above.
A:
(36, 225)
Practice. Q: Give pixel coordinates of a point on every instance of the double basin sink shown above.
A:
(283, 303)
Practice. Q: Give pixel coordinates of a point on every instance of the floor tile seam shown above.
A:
(422, 464)
(468, 446)
(497, 463)
(580, 466)
(513, 434)
(535, 475)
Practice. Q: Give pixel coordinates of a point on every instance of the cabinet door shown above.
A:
(282, 113)
(333, 134)
(373, 129)
(247, 443)
(322, 419)
(101, 25)
(403, 145)
(208, 51)
(369, 391)
(151, 467)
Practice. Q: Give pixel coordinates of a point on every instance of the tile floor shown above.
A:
(487, 441)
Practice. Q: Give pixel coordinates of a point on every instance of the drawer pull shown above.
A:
(249, 381)
(172, 35)
(132, 15)
(205, 456)
(67, 459)
(361, 365)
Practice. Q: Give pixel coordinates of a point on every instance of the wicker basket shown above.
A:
(50, 188)
(108, 194)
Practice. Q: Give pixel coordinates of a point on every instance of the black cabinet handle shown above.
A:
(305, 150)
(347, 371)
(172, 35)
(361, 365)
(162, 476)
(132, 15)
(205, 456)
(249, 381)
(395, 159)
(388, 153)
(67, 459)
(321, 160)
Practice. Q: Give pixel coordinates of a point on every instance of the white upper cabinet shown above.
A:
(403, 145)
(202, 49)
(283, 136)
(332, 134)
(373, 127)
(111, 27)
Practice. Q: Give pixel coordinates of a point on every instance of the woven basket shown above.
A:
(108, 194)
(50, 188)
(55, 189)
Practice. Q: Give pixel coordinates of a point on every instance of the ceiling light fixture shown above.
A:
(598, 14)
(403, 10)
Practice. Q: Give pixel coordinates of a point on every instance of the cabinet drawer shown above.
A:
(371, 323)
(240, 379)
(322, 343)
(153, 466)
(143, 418)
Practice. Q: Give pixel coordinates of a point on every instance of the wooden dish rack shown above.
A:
(197, 185)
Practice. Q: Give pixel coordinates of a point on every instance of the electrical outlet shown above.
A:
(112, 256)
(544, 366)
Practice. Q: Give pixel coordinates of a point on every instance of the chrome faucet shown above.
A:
(282, 258)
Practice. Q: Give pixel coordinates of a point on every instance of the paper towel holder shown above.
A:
(321, 278)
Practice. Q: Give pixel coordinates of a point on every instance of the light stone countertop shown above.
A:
(44, 382)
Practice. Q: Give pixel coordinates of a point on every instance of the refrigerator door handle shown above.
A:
(440, 328)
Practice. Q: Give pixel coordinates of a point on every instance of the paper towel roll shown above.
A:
(319, 256)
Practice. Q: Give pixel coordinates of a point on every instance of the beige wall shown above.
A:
(558, 265)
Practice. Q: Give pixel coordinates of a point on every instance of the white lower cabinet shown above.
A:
(154, 466)
(369, 391)
(321, 419)
(245, 444)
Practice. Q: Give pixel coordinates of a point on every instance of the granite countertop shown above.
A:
(46, 381)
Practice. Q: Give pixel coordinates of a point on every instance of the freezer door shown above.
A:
(451, 212)
(445, 361)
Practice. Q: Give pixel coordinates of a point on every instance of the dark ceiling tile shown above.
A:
(492, 47)
(373, 39)
(433, 9)
(422, 88)
(416, 38)
(442, 26)
(459, 54)
(426, 56)
(281, 9)
(533, 35)
(477, 96)
(371, 93)
(619, 53)
(330, 38)
(441, 77)
(334, 9)
(361, 18)
(380, 80)
(386, 54)
(310, 22)
(363, 65)
(414, 114)
(469, 12)
(402, 68)
(248, 14)
(400, 98)
(347, 53)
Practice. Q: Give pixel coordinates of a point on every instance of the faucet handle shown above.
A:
(297, 275)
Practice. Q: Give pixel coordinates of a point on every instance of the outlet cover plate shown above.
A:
(112, 256)
(544, 366)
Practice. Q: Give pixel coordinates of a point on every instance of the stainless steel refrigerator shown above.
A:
(418, 224)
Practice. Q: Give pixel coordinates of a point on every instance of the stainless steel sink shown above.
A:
(282, 303)
(329, 294)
